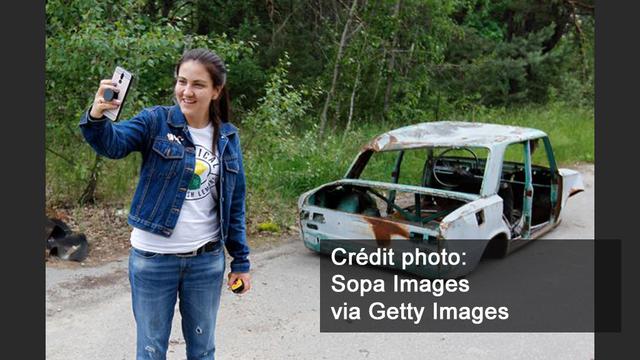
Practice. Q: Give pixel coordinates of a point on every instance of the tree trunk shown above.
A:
(150, 9)
(351, 103)
(276, 29)
(392, 61)
(336, 68)
(580, 36)
(166, 7)
(89, 194)
(203, 11)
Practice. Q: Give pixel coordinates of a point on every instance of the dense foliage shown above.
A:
(309, 78)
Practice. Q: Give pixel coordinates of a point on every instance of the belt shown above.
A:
(210, 246)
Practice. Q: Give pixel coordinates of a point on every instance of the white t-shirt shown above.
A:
(198, 220)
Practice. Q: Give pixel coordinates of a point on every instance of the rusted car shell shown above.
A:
(463, 222)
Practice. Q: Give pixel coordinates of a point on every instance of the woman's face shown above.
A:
(194, 91)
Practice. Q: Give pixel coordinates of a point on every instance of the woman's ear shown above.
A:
(217, 90)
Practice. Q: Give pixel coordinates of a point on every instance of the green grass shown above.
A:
(278, 170)
(570, 129)
(65, 181)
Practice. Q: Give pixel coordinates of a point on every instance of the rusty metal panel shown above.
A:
(341, 225)
(571, 184)
(451, 133)
(462, 223)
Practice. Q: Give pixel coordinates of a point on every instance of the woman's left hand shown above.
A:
(245, 277)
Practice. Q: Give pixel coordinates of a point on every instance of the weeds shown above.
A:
(278, 172)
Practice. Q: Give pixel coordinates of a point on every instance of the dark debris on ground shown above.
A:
(107, 232)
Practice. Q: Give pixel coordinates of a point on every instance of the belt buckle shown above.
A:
(191, 254)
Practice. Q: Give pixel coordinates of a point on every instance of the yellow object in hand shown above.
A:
(237, 286)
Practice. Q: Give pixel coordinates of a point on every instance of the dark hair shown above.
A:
(219, 109)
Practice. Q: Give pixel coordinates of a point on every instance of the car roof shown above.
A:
(452, 134)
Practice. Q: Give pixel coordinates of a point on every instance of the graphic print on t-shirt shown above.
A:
(205, 174)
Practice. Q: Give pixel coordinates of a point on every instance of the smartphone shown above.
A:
(123, 80)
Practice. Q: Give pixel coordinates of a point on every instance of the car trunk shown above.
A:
(358, 209)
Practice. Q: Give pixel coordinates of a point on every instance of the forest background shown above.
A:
(311, 82)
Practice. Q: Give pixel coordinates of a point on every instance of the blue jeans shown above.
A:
(156, 282)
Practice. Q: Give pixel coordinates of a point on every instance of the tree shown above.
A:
(336, 66)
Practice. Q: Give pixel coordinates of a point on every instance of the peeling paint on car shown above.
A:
(451, 133)
(383, 230)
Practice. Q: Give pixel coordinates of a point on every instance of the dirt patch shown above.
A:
(94, 282)
(106, 229)
(108, 233)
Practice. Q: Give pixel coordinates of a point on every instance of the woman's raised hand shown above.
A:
(100, 105)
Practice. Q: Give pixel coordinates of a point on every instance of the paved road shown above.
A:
(89, 315)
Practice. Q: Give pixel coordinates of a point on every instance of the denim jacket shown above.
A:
(167, 167)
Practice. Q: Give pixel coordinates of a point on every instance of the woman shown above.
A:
(188, 203)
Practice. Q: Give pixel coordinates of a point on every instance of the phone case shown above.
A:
(123, 79)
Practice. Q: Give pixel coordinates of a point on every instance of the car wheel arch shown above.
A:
(497, 247)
